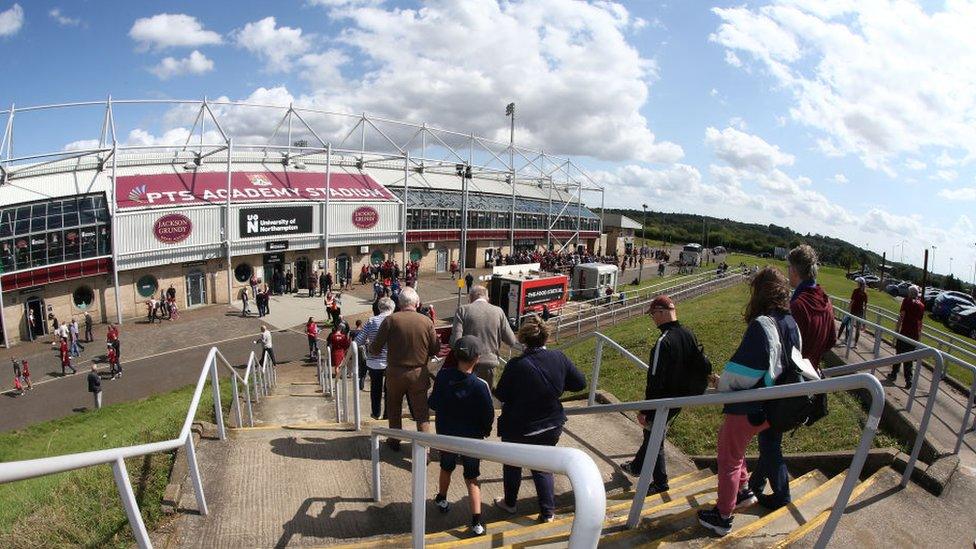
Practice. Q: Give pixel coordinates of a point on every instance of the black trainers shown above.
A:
(892, 377)
(714, 521)
(442, 504)
(770, 502)
(908, 384)
(629, 469)
(744, 498)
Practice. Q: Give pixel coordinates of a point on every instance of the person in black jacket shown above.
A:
(529, 390)
(95, 387)
(464, 408)
(669, 360)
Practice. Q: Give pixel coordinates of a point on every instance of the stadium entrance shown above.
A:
(196, 288)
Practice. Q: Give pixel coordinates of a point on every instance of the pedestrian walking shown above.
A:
(76, 346)
(245, 302)
(89, 337)
(66, 358)
(112, 338)
(114, 367)
(909, 325)
(267, 349)
(95, 387)
(312, 333)
(410, 343)
(338, 345)
(464, 408)
(489, 324)
(678, 368)
(30, 325)
(25, 374)
(375, 361)
(468, 282)
(530, 388)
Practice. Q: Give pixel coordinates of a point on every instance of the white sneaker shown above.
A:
(477, 529)
(442, 505)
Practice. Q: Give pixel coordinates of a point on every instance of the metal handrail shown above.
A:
(348, 371)
(937, 374)
(662, 406)
(31, 468)
(583, 474)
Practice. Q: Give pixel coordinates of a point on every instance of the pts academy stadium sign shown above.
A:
(172, 189)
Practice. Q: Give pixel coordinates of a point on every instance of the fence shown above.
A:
(339, 387)
(586, 479)
(20, 470)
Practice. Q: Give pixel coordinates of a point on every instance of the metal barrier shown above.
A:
(586, 479)
(348, 371)
(937, 374)
(662, 406)
(31, 468)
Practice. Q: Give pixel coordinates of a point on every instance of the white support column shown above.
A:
(403, 218)
(115, 233)
(227, 222)
(3, 323)
(579, 211)
(328, 190)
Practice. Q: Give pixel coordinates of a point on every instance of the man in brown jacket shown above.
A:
(489, 324)
(410, 343)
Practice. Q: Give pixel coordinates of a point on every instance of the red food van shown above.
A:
(519, 294)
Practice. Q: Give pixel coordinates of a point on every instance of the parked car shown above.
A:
(855, 274)
(963, 320)
(872, 280)
(929, 297)
(898, 288)
(947, 301)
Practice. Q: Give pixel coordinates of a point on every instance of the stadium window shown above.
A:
(55, 247)
(243, 272)
(147, 285)
(83, 297)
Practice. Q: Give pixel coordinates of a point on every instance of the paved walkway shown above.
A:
(950, 404)
(274, 486)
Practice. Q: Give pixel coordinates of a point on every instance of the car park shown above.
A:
(929, 297)
(963, 320)
(872, 280)
(947, 301)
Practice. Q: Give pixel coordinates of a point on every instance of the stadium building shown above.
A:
(101, 226)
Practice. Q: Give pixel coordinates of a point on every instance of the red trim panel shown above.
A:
(489, 234)
(57, 273)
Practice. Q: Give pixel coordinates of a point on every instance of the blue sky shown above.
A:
(853, 119)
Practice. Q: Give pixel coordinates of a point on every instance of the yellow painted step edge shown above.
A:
(816, 521)
(500, 536)
(797, 482)
(782, 511)
(680, 482)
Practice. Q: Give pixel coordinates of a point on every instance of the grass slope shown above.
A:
(716, 319)
(82, 508)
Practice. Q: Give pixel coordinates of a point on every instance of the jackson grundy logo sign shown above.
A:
(174, 189)
(258, 222)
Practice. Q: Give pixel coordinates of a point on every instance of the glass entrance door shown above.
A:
(441, 266)
(196, 289)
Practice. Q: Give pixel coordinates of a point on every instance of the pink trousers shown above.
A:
(733, 438)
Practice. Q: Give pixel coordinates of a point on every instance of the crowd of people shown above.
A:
(164, 308)
(553, 261)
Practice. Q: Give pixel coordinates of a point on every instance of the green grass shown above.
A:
(82, 508)
(716, 319)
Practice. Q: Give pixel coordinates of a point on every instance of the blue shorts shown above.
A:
(472, 466)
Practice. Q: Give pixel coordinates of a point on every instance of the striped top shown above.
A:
(759, 359)
(368, 334)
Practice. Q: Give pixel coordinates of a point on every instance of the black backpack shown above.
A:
(694, 376)
(788, 414)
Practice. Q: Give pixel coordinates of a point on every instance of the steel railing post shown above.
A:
(236, 401)
(926, 416)
(250, 411)
(191, 460)
(374, 450)
(966, 415)
(419, 471)
(877, 335)
(650, 457)
(915, 377)
(318, 372)
(354, 359)
(218, 412)
(595, 378)
(344, 392)
(857, 464)
(130, 504)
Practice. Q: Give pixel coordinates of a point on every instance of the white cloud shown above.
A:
(915, 164)
(880, 221)
(62, 19)
(745, 151)
(276, 46)
(11, 20)
(732, 59)
(947, 175)
(962, 193)
(841, 179)
(324, 70)
(195, 63)
(173, 136)
(873, 77)
(167, 30)
(579, 86)
(81, 145)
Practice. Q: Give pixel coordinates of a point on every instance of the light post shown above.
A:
(640, 257)
(950, 265)
(903, 242)
(934, 247)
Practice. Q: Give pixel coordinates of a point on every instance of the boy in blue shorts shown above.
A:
(464, 408)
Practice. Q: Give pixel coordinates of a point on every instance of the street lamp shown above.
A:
(640, 262)
(934, 247)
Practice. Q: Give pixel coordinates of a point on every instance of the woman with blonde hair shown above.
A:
(756, 363)
(529, 390)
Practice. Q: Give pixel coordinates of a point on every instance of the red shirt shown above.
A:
(312, 329)
(112, 359)
(339, 342)
(911, 324)
(859, 299)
